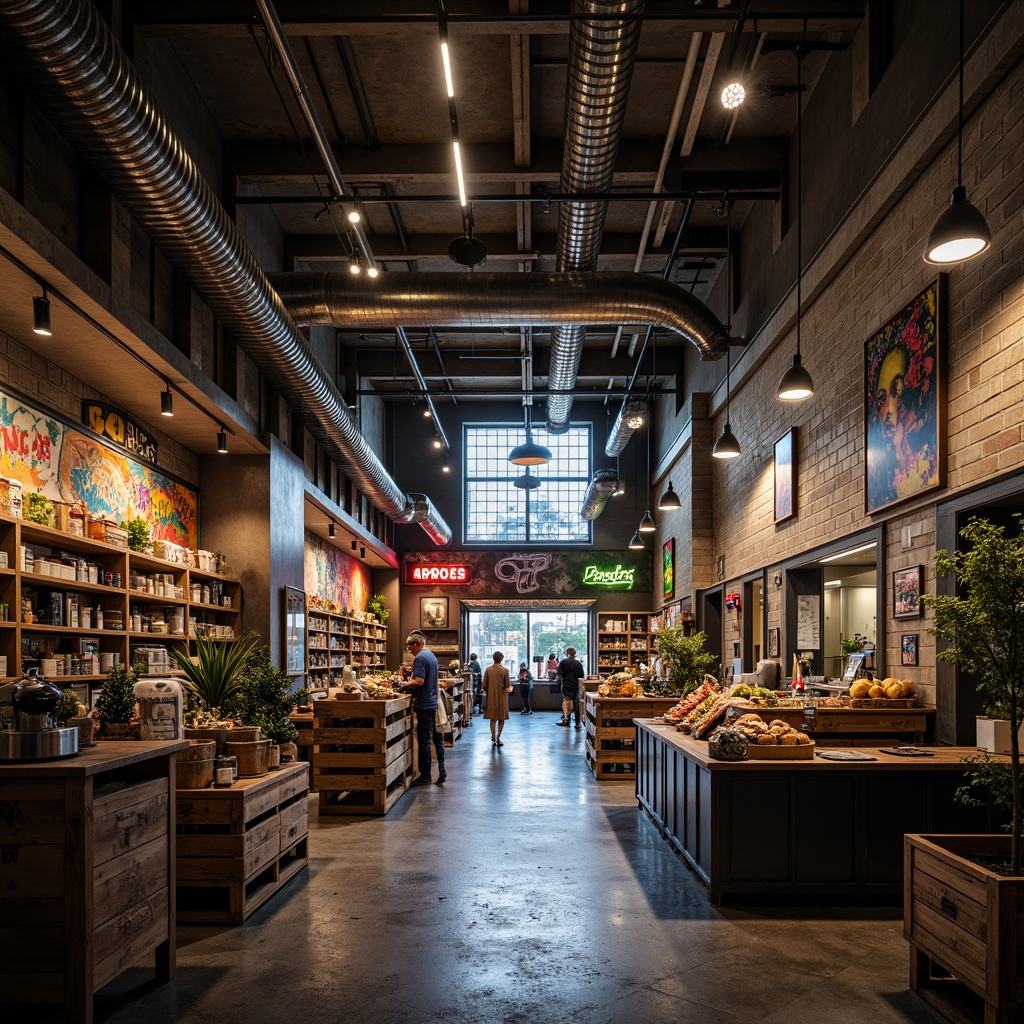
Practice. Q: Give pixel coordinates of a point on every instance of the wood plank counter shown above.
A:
(814, 827)
(854, 726)
(86, 855)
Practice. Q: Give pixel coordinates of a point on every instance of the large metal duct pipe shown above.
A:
(68, 58)
(600, 67)
(499, 300)
(596, 496)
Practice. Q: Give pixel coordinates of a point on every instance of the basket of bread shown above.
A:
(622, 684)
(886, 693)
(775, 740)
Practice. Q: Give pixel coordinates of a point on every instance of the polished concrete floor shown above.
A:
(521, 891)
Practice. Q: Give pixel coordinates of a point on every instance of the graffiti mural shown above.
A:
(67, 464)
(334, 577)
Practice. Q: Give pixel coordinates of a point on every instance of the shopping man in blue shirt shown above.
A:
(423, 683)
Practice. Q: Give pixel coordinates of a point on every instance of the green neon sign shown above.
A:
(594, 576)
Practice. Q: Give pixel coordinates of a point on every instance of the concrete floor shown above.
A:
(521, 891)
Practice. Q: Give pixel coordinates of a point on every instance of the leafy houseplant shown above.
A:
(684, 657)
(37, 508)
(377, 606)
(985, 630)
(852, 644)
(213, 677)
(138, 533)
(264, 697)
(69, 707)
(116, 701)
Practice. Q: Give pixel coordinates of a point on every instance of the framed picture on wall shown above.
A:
(785, 476)
(774, 641)
(433, 613)
(668, 568)
(904, 410)
(907, 585)
(294, 631)
(908, 649)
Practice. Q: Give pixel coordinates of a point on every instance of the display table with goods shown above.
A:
(362, 753)
(611, 735)
(798, 823)
(239, 844)
(88, 859)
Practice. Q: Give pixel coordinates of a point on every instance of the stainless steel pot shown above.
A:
(36, 703)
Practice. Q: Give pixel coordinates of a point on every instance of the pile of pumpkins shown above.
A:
(888, 689)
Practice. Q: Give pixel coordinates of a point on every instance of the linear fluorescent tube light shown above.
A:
(843, 554)
(458, 173)
(833, 583)
(447, 71)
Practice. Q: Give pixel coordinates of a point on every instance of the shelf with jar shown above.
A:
(334, 641)
(623, 641)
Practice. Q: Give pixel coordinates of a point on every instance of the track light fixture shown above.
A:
(362, 552)
(330, 530)
(354, 268)
(41, 314)
(354, 545)
(437, 442)
(446, 468)
(222, 441)
(373, 270)
(167, 401)
(669, 500)
(961, 230)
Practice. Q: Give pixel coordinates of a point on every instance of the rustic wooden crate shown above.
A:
(237, 846)
(611, 735)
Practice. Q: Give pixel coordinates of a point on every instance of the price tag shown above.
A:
(810, 717)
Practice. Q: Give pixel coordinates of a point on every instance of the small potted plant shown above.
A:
(37, 508)
(378, 607)
(138, 533)
(852, 644)
(115, 704)
(264, 697)
(73, 714)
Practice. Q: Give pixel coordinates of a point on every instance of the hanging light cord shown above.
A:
(799, 184)
(960, 107)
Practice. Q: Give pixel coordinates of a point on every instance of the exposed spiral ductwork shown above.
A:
(81, 78)
(499, 300)
(596, 496)
(600, 67)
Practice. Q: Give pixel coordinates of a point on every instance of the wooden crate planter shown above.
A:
(362, 754)
(969, 922)
(611, 735)
(238, 846)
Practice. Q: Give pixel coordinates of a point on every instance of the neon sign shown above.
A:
(593, 576)
(428, 575)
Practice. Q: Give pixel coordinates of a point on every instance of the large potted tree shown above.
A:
(964, 894)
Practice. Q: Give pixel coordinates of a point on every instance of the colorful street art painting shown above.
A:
(67, 464)
(334, 577)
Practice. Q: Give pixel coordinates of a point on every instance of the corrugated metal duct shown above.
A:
(596, 496)
(78, 74)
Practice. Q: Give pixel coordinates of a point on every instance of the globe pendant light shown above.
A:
(961, 230)
(796, 383)
(669, 500)
(530, 453)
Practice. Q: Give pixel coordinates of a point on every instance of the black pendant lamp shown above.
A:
(647, 523)
(636, 542)
(961, 230)
(526, 482)
(669, 500)
(530, 453)
(41, 314)
(727, 447)
(796, 383)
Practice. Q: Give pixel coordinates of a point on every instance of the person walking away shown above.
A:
(496, 687)
(570, 672)
(423, 683)
(525, 687)
(477, 672)
(552, 668)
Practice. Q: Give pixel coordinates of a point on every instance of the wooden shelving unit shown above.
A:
(624, 640)
(239, 845)
(611, 735)
(334, 641)
(53, 607)
(455, 685)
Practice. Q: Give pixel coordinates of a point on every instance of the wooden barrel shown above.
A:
(198, 750)
(244, 734)
(252, 756)
(194, 774)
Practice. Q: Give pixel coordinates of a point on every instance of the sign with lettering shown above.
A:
(436, 574)
(114, 425)
(596, 576)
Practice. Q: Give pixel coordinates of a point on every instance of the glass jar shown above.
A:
(227, 761)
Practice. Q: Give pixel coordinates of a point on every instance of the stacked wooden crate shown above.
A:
(611, 735)
(238, 845)
(362, 754)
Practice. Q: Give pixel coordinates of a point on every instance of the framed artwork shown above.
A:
(668, 568)
(854, 662)
(294, 631)
(904, 410)
(906, 592)
(785, 477)
(433, 613)
(908, 649)
(774, 641)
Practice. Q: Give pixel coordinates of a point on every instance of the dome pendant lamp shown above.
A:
(647, 523)
(961, 230)
(669, 500)
(727, 447)
(796, 383)
(530, 453)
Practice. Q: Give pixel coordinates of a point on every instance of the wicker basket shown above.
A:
(252, 756)
(198, 750)
(194, 774)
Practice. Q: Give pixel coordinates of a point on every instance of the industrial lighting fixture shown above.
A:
(354, 268)
(530, 453)
(426, 413)
(526, 482)
(373, 270)
(796, 383)
(362, 552)
(354, 216)
(844, 554)
(330, 530)
(647, 523)
(167, 401)
(222, 441)
(437, 442)
(41, 314)
(637, 543)
(635, 413)
(446, 468)
(727, 447)
(733, 95)
(961, 230)
(669, 500)
(354, 545)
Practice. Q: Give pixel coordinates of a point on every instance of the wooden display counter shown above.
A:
(87, 872)
(238, 845)
(815, 827)
(362, 754)
(611, 735)
(303, 721)
(854, 726)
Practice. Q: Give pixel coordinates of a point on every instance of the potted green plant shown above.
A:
(852, 644)
(377, 606)
(684, 657)
(115, 704)
(138, 533)
(73, 713)
(264, 697)
(947, 875)
(37, 508)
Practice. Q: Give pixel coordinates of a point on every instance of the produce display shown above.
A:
(713, 715)
(691, 703)
(621, 684)
(888, 689)
(769, 734)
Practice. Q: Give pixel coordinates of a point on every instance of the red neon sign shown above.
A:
(432, 574)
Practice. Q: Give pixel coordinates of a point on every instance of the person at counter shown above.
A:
(570, 672)
(423, 683)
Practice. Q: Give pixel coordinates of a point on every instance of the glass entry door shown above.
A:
(528, 636)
